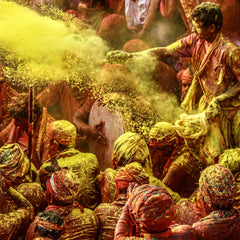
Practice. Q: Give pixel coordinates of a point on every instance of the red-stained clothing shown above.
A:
(6, 94)
(189, 212)
(70, 100)
(183, 174)
(219, 72)
(126, 231)
(176, 232)
(40, 143)
(223, 66)
(148, 214)
(79, 223)
(108, 215)
(116, 6)
(224, 225)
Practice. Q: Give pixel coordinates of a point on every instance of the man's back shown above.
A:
(85, 166)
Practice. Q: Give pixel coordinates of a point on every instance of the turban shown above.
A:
(63, 132)
(106, 183)
(63, 185)
(132, 172)
(135, 45)
(112, 26)
(218, 186)
(161, 130)
(130, 147)
(47, 225)
(14, 164)
(151, 207)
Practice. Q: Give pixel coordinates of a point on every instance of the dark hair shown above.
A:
(52, 217)
(19, 106)
(208, 13)
(6, 156)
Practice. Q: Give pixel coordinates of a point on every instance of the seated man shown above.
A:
(230, 159)
(16, 168)
(62, 135)
(173, 160)
(62, 188)
(109, 213)
(148, 214)
(218, 188)
(18, 130)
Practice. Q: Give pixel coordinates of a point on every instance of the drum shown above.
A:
(119, 114)
(113, 127)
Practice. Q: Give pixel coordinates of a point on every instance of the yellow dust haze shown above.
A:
(39, 44)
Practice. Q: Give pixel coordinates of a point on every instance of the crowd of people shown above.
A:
(181, 181)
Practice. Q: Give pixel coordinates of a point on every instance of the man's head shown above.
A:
(49, 224)
(18, 109)
(131, 173)
(207, 19)
(162, 134)
(131, 147)
(62, 134)
(14, 164)
(218, 187)
(151, 208)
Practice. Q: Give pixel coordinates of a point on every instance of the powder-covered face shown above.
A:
(202, 32)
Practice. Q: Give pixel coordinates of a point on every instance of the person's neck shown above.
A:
(213, 37)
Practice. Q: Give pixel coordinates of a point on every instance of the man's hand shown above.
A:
(118, 56)
(95, 132)
(212, 109)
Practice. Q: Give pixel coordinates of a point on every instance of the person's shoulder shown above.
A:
(101, 208)
(228, 45)
(89, 157)
(192, 38)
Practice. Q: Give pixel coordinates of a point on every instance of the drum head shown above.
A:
(113, 127)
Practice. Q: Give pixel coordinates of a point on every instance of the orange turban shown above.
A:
(112, 26)
(151, 207)
(135, 45)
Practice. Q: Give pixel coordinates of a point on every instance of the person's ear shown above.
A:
(213, 28)
(53, 149)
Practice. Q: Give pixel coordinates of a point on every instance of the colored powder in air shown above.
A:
(37, 49)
